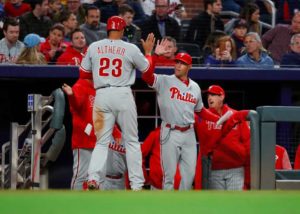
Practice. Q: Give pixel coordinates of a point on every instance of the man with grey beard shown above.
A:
(93, 29)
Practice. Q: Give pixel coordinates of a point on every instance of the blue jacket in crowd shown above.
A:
(265, 61)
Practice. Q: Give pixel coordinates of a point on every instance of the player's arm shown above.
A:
(205, 114)
(148, 74)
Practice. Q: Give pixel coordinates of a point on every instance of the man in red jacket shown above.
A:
(228, 153)
(81, 99)
(74, 52)
(151, 149)
(282, 160)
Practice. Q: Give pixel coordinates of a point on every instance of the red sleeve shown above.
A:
(207, 115)
(148, 75)
(85, 75)
(198, 173)
(146, 148)
(77, 99)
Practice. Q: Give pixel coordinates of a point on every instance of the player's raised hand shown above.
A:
(67, 89)
(162, 47)
(148, 44)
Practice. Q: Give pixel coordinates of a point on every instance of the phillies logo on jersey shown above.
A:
(76, 60)
(186, 97)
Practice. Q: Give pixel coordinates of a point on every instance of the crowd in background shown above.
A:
(70, 26)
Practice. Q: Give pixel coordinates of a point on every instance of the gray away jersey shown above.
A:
(177, 101)
(113, 63)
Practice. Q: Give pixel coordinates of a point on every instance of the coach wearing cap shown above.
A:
(228, 154)
(179, 98)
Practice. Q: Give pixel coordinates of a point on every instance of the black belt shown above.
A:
(112, 86)
(179, 128)
(115, 176)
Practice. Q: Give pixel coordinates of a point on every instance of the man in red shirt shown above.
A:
(168, 58)
(74, 52)
(228, 153)
(151, 149)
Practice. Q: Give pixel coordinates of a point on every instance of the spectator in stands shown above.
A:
(93, 29)
(229, 153)
(10, 46)
(139, 14)
(251, 14)
(205, 23)
(55, 8)
(73, 6)
(256, 55)
(54, 46)
(132, 33)
(69, 21)
(37, 20)
(292, 59)
(16, 8)
(176, 9)
(297, 159)
(31, 53)
(74, 52)
(210, 43)
(108, 8)
(231, 5)
(224, 53)
(168, 58)
(277, 40)
(282, 160)
(240, 29)
(160, 23)
(285, 10)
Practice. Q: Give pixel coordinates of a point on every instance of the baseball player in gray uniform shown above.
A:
(112, 63)
(178, 98)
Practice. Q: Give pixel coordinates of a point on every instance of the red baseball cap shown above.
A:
(184, 57)
(215, 89)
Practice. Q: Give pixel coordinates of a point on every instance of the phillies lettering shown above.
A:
(186, 97)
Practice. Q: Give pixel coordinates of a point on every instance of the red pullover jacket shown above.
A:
(231, 151)
(70, 57)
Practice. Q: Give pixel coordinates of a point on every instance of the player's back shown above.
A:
(114, 63)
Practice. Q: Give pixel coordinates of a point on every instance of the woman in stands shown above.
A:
(251, 14)
(31, 53)
(224, 53)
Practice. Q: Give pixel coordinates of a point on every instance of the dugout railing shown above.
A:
(23, 165)
(267, 177)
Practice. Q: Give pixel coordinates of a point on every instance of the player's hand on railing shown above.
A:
(148, 44)
(67, 89)
(162, 47)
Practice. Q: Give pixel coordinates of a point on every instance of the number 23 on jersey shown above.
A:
(106, 64)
